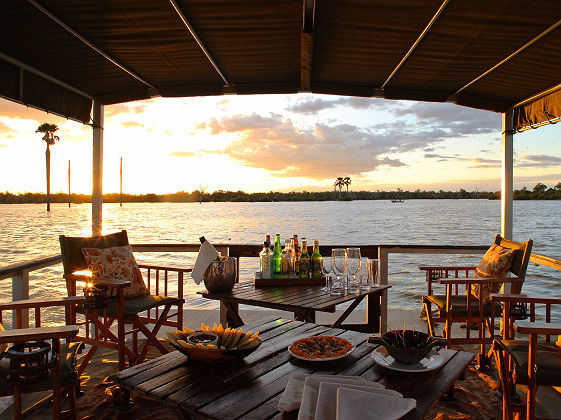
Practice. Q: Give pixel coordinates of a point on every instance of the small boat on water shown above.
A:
(398, 200)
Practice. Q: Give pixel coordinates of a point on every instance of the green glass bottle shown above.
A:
(317, 261)
(277, 258)
(304, 262)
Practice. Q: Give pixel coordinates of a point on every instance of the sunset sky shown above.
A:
(276, 142)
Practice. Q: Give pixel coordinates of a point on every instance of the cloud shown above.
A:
(461, 120)
(129, 124)
(521, 160)
(276, 144)
(181, 153)
(114, 110)
(537, 161)
(313, 106)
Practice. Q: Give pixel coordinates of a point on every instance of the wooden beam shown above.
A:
(417, 42)
(515, 53)
(90, 44)
(306, 45)
(198, 41)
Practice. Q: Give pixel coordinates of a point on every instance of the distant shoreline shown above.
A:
(539, 192)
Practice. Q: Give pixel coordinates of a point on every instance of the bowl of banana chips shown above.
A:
(232, 344)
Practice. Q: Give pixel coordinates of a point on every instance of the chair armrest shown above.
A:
(44, 333)
(523, 298)
(116, 284)
(449, 268)
(41, 303)
(167, 268)
(529, 327)
(482, 280)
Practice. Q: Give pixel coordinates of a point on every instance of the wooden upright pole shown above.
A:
(68, 182)
(97, 172)
(507, 175)
(121, 181)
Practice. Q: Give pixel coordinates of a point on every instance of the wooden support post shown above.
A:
(507, 175)
(383, 273)
(97, 173)
(20, 291)
(507, 182)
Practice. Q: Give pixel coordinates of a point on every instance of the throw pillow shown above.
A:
(495, 263)
(116, 263)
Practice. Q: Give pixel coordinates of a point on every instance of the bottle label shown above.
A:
(266, 261)
(304, 269)
(316, 268)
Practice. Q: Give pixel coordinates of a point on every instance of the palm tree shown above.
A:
(347, 182)
(339, 182)
(49, 137)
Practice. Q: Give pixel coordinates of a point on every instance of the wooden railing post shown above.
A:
(383, 273)
(20, 291)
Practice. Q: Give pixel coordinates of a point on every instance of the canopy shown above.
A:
(496, 55)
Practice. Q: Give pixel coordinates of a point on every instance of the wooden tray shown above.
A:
(288, 281)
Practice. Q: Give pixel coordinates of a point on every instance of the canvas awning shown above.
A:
(488, 54)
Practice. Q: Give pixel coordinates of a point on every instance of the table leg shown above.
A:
(305, 316)
(373, 303)
(229, 315)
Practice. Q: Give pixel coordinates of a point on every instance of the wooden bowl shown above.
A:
(203, 354)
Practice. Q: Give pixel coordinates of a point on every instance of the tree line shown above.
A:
(539, 192)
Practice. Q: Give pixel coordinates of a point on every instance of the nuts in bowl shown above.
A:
(214, 344)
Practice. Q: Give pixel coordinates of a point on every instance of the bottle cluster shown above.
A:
(290, 261)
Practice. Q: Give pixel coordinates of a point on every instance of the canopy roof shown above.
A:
(495, 55)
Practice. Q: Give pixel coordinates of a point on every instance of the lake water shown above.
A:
(27, 232)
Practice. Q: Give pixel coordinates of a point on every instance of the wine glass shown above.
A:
(353, 266)
(327, 268)
(339, 263)
(372, 279)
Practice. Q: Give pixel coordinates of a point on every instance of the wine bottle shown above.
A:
(266, 261)
(277, 258)
(317, 261)
(304, 261)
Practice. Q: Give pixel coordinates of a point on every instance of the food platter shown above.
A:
(432, 361)
(321, 348)
(230, 344)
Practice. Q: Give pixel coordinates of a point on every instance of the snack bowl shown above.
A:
(225, 349)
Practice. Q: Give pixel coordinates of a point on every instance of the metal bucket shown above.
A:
(221, 276)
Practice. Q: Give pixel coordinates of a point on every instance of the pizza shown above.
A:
(321, 347)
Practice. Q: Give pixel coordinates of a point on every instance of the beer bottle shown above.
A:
(296, 248)
(317, 261)
(277, 258)
(304, 262)
(286, 257)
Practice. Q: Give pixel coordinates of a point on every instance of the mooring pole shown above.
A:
(121, 181)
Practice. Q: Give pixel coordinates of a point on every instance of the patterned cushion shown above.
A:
(116, 263)
(495, 263)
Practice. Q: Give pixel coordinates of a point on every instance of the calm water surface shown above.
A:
(27, 232)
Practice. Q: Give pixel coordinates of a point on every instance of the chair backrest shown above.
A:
(521, 255)
(71, 248)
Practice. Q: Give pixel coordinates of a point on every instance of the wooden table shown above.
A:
(303, 301)
(251, 388)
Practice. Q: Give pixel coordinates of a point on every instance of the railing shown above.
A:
(19, 273)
